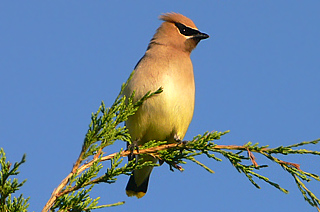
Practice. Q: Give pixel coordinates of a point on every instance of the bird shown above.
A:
(164, 117)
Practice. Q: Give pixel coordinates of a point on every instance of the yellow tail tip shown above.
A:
(134, 193)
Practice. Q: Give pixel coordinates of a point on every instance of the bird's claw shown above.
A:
(179, 141)
(133, 146)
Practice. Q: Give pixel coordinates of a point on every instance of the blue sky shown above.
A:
(257, 75)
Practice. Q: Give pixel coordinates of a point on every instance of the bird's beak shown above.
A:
(201, 36)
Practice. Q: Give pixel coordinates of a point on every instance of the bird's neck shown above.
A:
(157, 46)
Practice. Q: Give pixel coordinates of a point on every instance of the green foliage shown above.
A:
(203, 145)
(77, 201)
(9, 186)
(103, 131)
(73, 194)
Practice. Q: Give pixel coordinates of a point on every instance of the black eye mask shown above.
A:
(187, 31)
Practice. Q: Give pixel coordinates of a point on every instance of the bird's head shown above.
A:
(178, 31)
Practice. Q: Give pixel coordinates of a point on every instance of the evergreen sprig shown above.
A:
(105, 128)
(8, 203)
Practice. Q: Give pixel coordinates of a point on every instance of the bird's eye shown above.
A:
(187, 31)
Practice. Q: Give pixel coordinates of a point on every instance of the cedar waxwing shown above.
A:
(166, 116)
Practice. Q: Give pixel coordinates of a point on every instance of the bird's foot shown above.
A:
(133, 146)
(179, 141)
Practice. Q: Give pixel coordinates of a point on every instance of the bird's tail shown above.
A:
(138, 182)
(133, 189)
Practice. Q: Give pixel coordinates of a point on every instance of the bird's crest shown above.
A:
(177, 18)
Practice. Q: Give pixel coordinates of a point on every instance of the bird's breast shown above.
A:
(169, 112)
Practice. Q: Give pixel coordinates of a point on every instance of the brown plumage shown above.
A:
(166, 116)
(177, 18)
